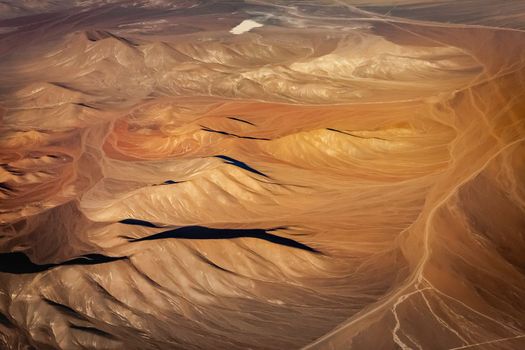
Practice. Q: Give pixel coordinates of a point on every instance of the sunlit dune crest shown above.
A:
(344, 175)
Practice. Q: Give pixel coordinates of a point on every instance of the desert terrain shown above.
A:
(262, 174)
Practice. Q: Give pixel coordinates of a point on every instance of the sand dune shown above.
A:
(347, 175)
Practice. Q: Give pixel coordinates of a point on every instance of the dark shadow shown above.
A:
(97, 35)
(237, 163)
(65, 86)
(82, 104)
(92, 330)
(4, 321)
(138, 222)
(170, 182)
(205, 128)
(350, 134)
(19, 263)
(242, 121)
(201, 232)
(11, 170)
(63, 309)
(5, 187)
(207, 261)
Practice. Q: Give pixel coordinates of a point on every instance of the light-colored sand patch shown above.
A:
(245, 26)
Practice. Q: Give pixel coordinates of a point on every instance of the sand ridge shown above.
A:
(347, 175)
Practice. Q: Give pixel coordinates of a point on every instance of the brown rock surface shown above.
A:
(348, 175)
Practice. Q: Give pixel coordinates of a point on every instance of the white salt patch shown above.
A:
(245, 26)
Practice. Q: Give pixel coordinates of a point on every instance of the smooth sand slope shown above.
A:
(346, 175)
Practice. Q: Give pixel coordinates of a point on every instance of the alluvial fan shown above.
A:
(262, 174)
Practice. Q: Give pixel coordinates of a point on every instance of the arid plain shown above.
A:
(262, 174)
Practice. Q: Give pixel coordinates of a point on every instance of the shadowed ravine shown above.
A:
(262, 174)
(199, 232)
(19, 263)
